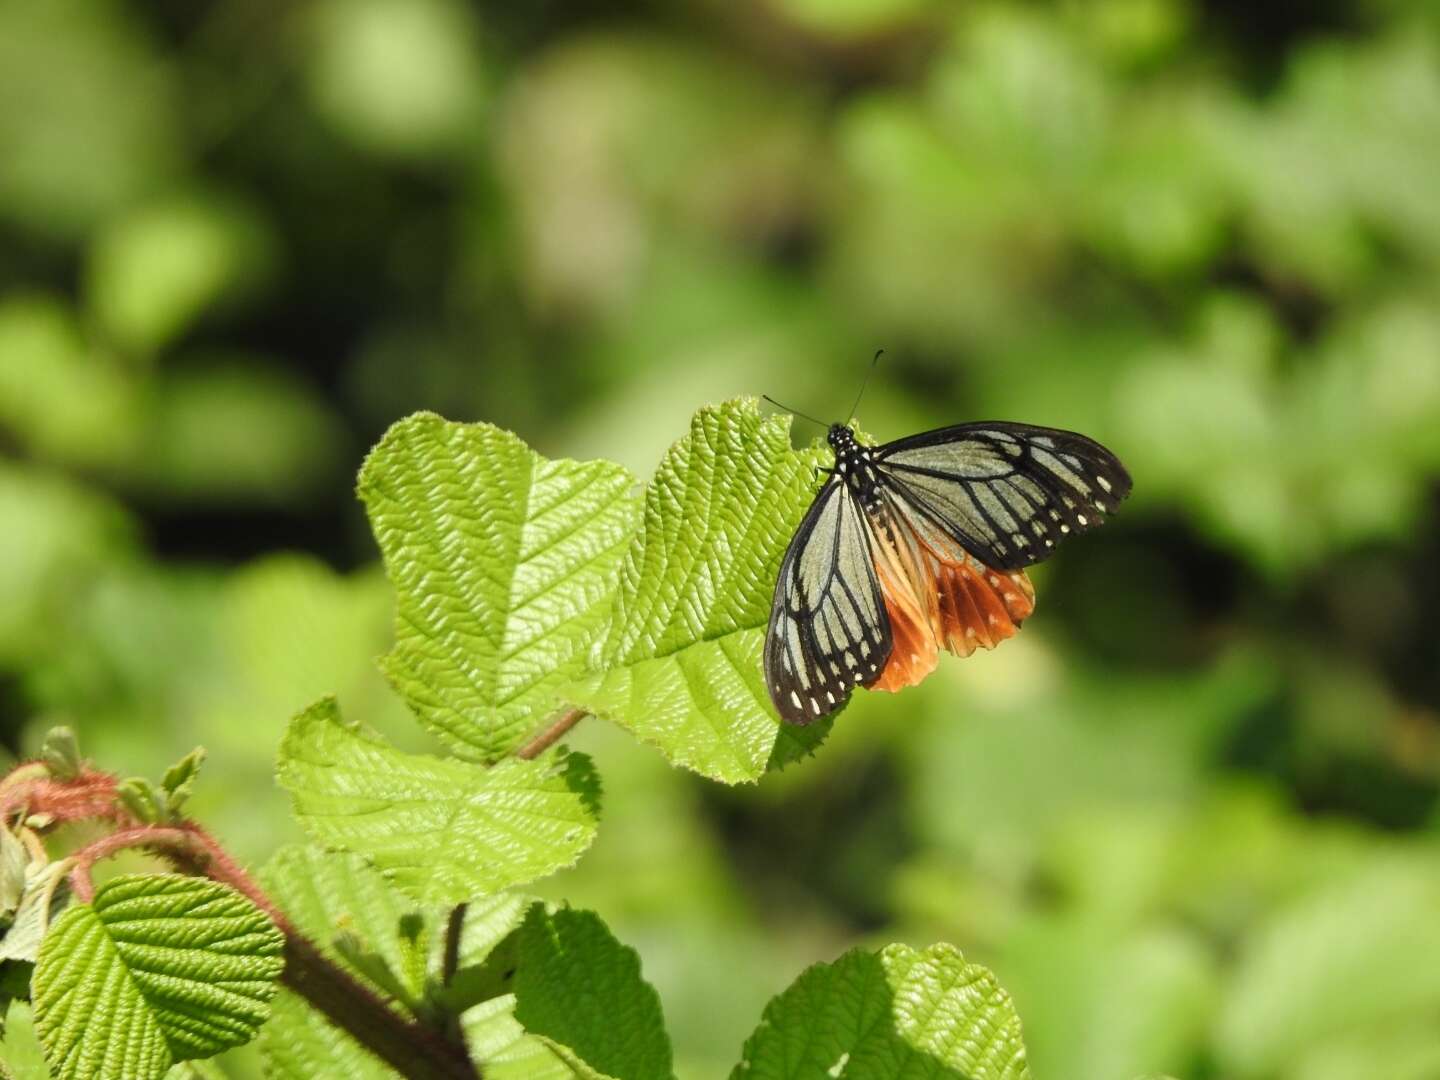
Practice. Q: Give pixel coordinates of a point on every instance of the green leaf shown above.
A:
(900, 1012)
(61, 753)
(179, 780)
(141, 800)
(321, 892)
(504, 563)
(13, 861)
(445, 831)
(581, 990)
(154, 271)
(1342, 961)
(156, 969)
(45, 894)
(21, 1057)
(324, 891)
(298, 1043)
(682, 662)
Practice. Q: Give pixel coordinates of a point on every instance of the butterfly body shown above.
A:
(920, 544)
(855, 464)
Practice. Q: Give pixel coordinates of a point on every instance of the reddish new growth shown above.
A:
(89, 795)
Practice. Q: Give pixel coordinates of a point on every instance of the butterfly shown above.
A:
(920, 544)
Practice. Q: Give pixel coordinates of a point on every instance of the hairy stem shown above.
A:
(549, 735)
(411, 1048)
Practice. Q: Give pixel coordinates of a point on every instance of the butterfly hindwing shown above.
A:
(1005, 492)
(941, 596)
(828, 630)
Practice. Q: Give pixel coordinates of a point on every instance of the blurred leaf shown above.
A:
(855, 18)
(898, 1012)
(126, 984)
(239, 430)
(580, 989)
(60, 397)
(60, 537)
(445, 831)
(84, 147)
(1335, 964)
(683, 658)
(1110, 1001)
(504, 564)
(61, 753)
(153, 272)
(398, 77)
(21, 1056)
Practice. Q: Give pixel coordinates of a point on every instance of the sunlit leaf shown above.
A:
(683, 657)
(900, 1012)
(445, 831)
(504, 564)
(156, 969)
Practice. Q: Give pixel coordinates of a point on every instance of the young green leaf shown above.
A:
(156, 969)
(179, 781)
(581, 990)
(13, 861)
(140, 800)
(45, 894)
(897, 1013)
(504, 564)
(61, 753)
(682, 663)
(444, 831)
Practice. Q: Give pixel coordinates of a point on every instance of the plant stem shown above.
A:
(411, 1048)
(454, 926)
(551, 733)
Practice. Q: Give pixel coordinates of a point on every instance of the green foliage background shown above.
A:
(1188, 817)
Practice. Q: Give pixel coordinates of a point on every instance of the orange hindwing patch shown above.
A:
(938, 594)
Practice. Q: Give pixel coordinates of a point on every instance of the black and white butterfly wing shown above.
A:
(828, 630)
(1006, 492)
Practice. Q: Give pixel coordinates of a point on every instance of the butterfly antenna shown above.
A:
(797, 412)
(864, 383)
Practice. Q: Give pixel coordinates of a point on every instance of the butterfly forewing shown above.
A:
(1005, 492)
(828, 629)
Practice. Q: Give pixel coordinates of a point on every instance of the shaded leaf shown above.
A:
(580, 989)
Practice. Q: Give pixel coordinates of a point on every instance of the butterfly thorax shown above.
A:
(855, 465)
